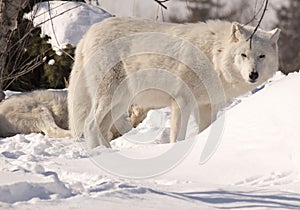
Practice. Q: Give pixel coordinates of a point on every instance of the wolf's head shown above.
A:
(254, 62)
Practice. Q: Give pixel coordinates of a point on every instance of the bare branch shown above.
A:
(161, 3)
(52, 8)
(256, 12)
(53, 30)
(68, 10)
(259, 22)
(52, 25)
(13, 62)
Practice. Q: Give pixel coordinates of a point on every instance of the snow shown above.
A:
(256, 164)
(64, 21)
(252, 164)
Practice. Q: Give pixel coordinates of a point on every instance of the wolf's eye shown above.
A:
(244, 55)
(261, 56)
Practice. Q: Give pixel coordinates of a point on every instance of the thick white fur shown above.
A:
(38, 111)
(225, 44)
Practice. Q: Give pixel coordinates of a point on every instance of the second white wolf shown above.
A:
(34, 112)
(121, 61)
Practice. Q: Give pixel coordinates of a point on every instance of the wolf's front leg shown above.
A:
(205, 116)
(179, 119)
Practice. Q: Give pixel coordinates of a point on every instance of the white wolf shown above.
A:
(38, 111)
(124, 61)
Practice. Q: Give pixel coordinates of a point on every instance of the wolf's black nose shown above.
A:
(253, 76)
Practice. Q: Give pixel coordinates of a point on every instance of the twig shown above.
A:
(162, 14)
(43, 13)
(258, 24)
(68, 54)
(54, 33)
(256, 12)
(161, 3)
(52, 25)
(41, 23)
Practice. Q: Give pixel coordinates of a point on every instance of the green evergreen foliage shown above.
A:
(57, 73)
(27, 66)
(26, 55)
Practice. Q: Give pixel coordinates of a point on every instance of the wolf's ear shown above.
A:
(274, 35)
(238, 32)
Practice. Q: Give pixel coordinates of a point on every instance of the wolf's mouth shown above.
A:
(252, 80)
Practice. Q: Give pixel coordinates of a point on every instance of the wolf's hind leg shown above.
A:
(205, 116)
(46, 123)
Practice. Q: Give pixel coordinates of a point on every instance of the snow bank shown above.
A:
(260, 143)
(64, 21)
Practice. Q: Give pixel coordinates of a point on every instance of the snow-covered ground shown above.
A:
(256, 164)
